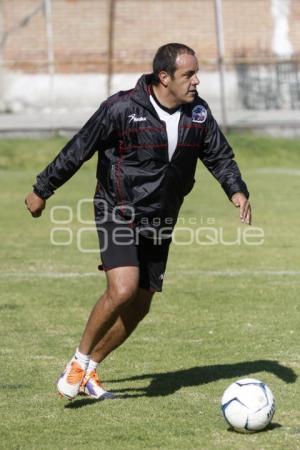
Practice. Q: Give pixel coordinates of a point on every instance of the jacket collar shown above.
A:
(142, 91)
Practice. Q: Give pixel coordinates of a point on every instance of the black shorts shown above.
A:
(122, 245)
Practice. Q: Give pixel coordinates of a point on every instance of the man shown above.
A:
(148, 140)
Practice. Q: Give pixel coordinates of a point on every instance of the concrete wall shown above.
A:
(252, 28)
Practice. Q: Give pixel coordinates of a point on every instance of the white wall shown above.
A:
(23, 92)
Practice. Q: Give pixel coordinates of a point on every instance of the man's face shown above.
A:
(182, 86)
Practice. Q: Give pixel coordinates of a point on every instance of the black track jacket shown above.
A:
(134, 173)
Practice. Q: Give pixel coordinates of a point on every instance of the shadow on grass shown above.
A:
(80, 403)
(272, 426)
(85, 402)
(162, 384)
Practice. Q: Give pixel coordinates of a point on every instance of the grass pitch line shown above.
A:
(238, 273)
(202, 273)
(47, 274)
(278, 171)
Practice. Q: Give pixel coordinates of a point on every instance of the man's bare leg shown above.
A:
(122, 287)
(125, 324)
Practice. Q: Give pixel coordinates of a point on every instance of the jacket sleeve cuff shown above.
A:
(42, 192)
(237, 187)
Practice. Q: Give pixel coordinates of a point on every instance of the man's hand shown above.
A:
(240, 201)
(35, 204)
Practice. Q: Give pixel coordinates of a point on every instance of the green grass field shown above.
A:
(227, 311)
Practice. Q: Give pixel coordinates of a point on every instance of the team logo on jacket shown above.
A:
(199, 114)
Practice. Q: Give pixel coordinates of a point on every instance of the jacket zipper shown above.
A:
(113, 176)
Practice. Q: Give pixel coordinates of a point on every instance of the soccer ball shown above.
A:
(248, 405)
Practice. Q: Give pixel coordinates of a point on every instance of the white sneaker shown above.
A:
(70, 380)
(92, 387)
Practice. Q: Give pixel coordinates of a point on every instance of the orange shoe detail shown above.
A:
(93, 388)
(76, 373)
(93, 374)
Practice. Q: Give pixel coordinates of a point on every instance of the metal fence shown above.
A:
(269, 86)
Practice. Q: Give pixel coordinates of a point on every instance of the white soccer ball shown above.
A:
(248, 405)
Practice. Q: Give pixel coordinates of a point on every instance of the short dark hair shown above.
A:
(165, 59)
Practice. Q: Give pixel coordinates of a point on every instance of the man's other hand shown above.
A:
(240, 201)
(35, 204)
